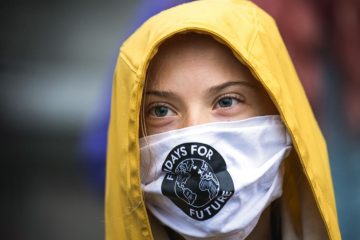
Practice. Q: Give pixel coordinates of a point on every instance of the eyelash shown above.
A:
(152, 106)
(235, 96)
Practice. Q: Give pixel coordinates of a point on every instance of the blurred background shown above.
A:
(56, 65)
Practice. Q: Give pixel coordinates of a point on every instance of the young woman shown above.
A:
(211, 135)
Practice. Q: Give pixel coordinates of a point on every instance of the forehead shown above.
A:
(192, 55)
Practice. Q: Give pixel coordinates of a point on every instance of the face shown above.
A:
(193, 80)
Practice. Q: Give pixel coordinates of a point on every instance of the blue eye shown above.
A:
(227, 101)
(161, 111)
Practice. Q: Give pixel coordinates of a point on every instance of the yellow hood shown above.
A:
(255, 40)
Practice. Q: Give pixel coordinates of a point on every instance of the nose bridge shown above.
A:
(195, 116)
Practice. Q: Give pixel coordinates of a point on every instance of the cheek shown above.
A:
(154, 126)
(237, 112)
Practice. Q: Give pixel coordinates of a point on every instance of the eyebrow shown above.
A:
(215, 89)
(163, 94)
(211, 91)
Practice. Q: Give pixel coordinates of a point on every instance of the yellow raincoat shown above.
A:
(308, 204)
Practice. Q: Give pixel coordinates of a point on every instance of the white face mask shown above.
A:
(214, 180)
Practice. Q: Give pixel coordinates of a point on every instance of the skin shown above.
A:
(194, 79)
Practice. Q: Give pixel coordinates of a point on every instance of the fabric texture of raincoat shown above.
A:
(308, 203)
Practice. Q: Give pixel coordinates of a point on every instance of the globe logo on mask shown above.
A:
(195, 174)
(196, 180)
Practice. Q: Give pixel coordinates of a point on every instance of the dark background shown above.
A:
(56, 65)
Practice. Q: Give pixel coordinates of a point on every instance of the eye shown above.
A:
(161, 111)
(228, 101)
